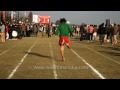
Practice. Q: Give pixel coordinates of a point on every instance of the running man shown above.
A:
(64, 29)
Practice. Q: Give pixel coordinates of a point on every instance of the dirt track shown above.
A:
(39, 58)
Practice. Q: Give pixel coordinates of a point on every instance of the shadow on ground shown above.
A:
(110, 48)
(111, 53)
(44, 56)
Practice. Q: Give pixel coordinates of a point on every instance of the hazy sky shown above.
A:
(78, 17)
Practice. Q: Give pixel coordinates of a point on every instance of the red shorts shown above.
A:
(63, 40)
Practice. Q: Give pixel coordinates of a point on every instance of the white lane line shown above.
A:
(6, 50)
(110, 47)
(96, 71)
(21, 61)
(100, 54)
(53, 62)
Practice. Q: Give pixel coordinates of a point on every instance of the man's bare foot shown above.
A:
(63, 59)
(68, 47)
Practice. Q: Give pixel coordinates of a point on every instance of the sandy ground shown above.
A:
(39, 58)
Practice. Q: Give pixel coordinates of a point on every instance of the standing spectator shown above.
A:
(101, 33)
(53, 30)
(2, 33)
(77, 30)
(48, 30)
(35, 30)
(81, 32)
(119, 31)
(115, 31)
(95, 32)
(28, 30)
(42, 30)
(86, 32)
(10, 31)
(31, 30)
(91, 31)
(111, 33)
(7, 30)
(23, 30)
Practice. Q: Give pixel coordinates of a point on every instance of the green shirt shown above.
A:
(64, 29)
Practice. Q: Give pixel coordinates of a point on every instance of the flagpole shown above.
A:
(0, 16)
(18, 17)
(25, 13)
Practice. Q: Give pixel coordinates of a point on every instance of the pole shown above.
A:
(18, 17)
(0, 16)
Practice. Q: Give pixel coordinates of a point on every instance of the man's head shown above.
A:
(62, 20)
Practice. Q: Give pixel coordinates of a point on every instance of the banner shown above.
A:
(44, 19)
(35, 19)
(41, 19)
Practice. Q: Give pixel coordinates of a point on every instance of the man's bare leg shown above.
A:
(68, 45)
(62, 52)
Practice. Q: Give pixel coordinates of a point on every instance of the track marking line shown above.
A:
(100, 54)
(6, 50)
(94, 70)
(21, 61)
(53, 62)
